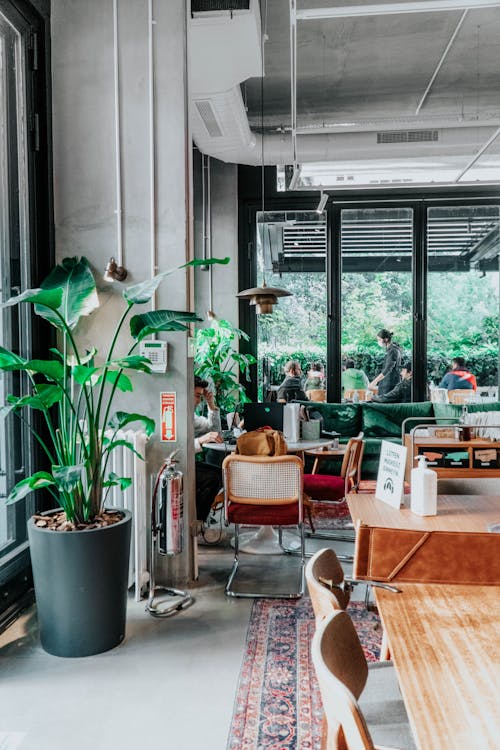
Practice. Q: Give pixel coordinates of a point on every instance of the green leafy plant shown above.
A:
(217, 360)
(75, 395)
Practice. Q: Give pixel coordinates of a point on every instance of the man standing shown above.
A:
(206, 430)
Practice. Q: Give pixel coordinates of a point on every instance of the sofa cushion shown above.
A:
(452, 412)
(342, 418)
(385, 420)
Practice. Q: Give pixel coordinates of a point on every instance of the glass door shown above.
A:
(376, 293)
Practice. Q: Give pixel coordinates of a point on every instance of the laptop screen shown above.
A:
(263, 415)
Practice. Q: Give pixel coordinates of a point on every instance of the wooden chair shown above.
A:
(326, 584)
(330, 487)
(461, 396)
(263, 491)
(348, 395)
(356, 718)
(316, 394)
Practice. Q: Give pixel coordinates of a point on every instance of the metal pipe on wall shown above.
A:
(118, 160)
(152, 147)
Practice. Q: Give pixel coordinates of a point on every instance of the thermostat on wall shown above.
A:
(156, 352)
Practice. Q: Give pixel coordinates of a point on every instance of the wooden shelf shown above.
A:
(452, 444)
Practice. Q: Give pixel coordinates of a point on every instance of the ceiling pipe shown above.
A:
(384, 9)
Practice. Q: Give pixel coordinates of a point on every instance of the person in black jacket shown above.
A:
(291, 388)
(389, 377)
(401, 393)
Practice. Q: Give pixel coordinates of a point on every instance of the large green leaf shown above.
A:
(49, 299)
(25, 486)
(121, 419)
(44, 397)
(82, 374)
(140, 293)
(133, 362)
(114, 480)
(51, 368)
(111, 445)
(118, 378)
(75, 281)
(10, 361)
(160, 320)
(67, 477)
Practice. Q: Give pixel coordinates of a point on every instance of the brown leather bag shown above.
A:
(262, 442)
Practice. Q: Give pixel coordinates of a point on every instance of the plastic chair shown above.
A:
(379, 718)
(263, 491)
(316, 394)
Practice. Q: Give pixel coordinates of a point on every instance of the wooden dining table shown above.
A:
(445, 645)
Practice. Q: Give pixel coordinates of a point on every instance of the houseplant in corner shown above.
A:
(80, 551)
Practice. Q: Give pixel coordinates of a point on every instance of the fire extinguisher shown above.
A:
(166, 535)
(168, 518)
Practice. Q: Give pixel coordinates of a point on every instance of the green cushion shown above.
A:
(385, 420)
(343, 418)
(373, 445)
(452, 412)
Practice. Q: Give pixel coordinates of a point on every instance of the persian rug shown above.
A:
(278, 705)
(335, 516)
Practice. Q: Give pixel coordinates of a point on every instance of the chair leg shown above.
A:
(229, 591)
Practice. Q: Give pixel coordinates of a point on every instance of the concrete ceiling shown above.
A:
(385, 91)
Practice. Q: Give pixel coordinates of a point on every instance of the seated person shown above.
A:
(401, 393)
(206, 430)
(315, 377)
(353, 379)
(458, 377)
(291, 388)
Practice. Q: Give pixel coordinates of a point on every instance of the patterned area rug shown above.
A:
(332, 516)
(278, 706)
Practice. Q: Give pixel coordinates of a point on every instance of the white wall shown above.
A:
(85, 188)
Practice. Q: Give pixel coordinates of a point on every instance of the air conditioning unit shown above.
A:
(216, 6)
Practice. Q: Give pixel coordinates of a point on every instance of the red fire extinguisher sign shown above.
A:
(168, 417)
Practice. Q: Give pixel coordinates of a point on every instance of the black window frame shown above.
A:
(251, 202)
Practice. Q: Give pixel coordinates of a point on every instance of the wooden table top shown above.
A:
(445, 644)
(455, 513)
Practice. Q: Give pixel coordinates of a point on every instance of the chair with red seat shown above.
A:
(333, 488)
(263, 491)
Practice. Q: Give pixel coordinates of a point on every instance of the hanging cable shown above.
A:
(118, 164)
(152, 149)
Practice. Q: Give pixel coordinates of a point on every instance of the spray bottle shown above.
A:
(423, 489)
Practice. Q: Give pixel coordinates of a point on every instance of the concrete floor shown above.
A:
(170, 684)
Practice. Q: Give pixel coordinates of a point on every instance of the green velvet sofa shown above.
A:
(383, 422)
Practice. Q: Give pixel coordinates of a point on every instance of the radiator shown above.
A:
(125, 463)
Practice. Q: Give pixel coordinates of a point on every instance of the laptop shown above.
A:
(267, 414)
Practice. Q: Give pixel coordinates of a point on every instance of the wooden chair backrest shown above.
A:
(262, 480)
(351, 391)
(460, 395)
(342, 671)
(324, 578)
(316, 394)
(352, 462)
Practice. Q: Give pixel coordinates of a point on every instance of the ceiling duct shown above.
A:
(213, 6)
(407, 136)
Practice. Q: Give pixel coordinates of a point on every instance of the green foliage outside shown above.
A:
(462, 321)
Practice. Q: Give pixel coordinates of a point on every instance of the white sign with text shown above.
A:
(391, 474)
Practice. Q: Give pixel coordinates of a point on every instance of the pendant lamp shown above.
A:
(263, 297)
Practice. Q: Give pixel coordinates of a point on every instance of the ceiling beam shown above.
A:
(441, 61)
(477, 155)
(404, 6)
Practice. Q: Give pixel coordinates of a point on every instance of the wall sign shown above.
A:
(391, 474)
(168, 417)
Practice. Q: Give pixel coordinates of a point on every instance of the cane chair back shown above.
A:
(263, 491)
(326, 584)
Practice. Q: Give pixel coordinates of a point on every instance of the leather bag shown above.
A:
(262, 442)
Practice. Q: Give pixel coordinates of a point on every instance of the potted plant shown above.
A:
(216, 359)
(80, 551)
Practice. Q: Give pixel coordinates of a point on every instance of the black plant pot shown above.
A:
(81, 580)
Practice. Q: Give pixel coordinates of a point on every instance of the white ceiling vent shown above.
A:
(207, 114)
(407, 136)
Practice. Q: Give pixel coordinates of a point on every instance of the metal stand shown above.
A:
(159, 607)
